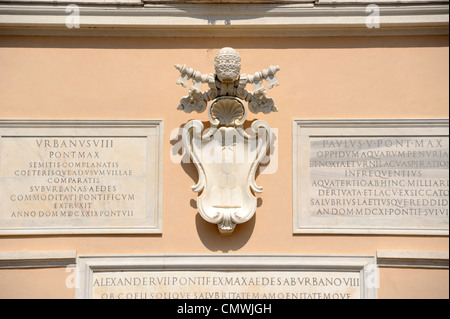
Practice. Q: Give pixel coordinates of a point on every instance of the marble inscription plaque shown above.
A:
(226, 285)
(227, 277)
(388, 177)
(77, 177)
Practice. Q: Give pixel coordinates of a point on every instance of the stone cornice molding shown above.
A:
(412, 259)
(306, 18)
(37, 259)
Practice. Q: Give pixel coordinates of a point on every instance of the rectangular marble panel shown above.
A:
(371, 176)
(226, 277)
(79, 177)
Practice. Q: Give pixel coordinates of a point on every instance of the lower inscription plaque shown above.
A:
(227, 277)
(75, 177)
(388, 177)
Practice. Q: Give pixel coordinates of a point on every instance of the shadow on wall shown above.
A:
(212, 239)
(211, 42)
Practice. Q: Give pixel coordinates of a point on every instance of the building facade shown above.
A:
(96, 177)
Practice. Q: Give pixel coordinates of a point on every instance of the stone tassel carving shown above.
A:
(225, 155)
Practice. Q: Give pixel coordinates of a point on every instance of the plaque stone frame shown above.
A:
(305, 130)
(148, 138)
(364, 267)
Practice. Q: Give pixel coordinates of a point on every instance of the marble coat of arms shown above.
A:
(225, 154)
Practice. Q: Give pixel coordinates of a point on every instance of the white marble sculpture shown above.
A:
(225, 155)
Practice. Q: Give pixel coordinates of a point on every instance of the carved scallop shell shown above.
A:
(227, 111)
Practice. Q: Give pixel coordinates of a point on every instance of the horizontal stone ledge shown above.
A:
(261, 20)
(413, 259)
(218, 2)
(37, 259)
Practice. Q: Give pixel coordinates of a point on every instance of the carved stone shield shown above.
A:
(226, 157)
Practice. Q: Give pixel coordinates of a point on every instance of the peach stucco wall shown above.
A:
(134, 78)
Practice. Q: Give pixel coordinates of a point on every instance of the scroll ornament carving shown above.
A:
(225, 155)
